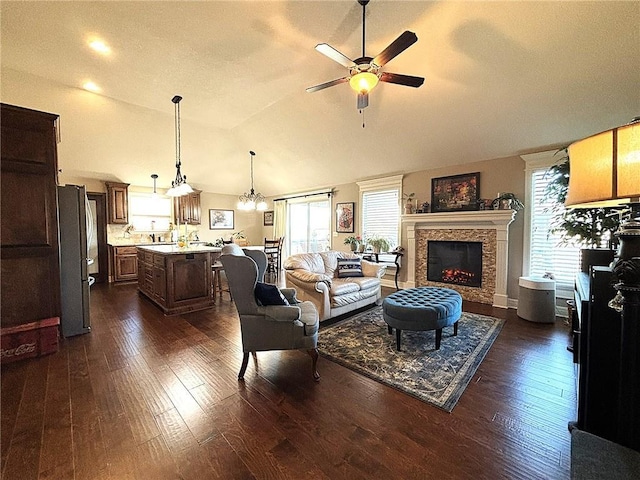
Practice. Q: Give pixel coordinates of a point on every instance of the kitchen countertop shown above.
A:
(174, 249)
(129, 243)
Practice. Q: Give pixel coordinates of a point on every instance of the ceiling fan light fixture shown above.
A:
(364, 82)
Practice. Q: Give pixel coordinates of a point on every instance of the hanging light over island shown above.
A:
(179, 187)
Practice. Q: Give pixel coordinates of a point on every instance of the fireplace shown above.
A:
(455, 262)
(490, 227)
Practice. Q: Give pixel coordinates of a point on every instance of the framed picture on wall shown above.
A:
(220, 219)
(345, 215)
(268, 218)
(457, 192)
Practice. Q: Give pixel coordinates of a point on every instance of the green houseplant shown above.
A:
(509, 200)
(353, 242)
(378, 243)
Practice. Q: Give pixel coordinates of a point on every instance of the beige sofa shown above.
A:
(315, 277)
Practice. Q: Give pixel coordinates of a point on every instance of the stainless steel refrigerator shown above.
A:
(74, 219)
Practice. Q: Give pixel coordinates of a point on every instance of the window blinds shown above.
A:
(381, 214)
(546, 253)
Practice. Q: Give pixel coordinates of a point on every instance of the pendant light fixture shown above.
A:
(252, 200)
(155, 177)
(179, 186)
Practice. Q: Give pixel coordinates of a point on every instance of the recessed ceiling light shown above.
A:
(92, 87)
(99, 46)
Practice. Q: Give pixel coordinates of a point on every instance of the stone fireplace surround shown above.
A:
(491, 227)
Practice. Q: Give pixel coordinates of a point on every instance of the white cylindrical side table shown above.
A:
(537, 299)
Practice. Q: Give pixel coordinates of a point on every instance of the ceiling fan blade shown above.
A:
(406, 80)
(328, 84)
(396, 47)
(363, 100)
(335, 55)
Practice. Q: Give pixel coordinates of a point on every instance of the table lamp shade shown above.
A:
(605, 168)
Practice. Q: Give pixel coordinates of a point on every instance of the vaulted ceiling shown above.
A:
(502, 78)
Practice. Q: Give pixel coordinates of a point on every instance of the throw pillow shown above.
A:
(267, 294)
(349, 267)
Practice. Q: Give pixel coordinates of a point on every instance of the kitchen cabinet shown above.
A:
(29, 222)
(117, 202)
(125, 264)
(152, 277)
(159, 278)
(177, 280)
(187, 209)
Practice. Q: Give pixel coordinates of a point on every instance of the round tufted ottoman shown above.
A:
(422, 308)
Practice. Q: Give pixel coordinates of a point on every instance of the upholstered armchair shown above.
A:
(280, 323)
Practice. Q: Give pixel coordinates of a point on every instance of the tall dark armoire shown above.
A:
(29, 225)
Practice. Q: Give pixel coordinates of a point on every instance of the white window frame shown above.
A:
(307, 200)
(535, 162)
(378, 185)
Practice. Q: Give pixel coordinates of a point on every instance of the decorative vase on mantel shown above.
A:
(408, 208)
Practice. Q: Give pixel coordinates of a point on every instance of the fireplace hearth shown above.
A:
(455, 262)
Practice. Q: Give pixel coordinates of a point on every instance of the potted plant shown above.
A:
(506, 201)
(378, 244)
(408, 206)
(353, 242)
(239, 238)
(591, 228)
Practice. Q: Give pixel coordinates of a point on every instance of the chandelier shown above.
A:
(179, 186)
(252, 200)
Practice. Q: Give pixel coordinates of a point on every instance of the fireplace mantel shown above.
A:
(497, 220)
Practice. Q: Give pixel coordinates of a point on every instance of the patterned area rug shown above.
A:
(439, 377)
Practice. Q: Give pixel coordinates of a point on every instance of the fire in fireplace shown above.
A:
(459, 263)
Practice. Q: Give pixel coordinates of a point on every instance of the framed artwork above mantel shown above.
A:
(455, 193)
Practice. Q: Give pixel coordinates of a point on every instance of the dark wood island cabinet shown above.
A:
(178, 280)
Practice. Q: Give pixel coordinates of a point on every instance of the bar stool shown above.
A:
(217, 269)
(273, 251)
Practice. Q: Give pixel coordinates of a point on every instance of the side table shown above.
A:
(385, 258)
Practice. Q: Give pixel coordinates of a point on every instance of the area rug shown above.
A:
(438, 377)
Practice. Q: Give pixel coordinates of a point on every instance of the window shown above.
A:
(309, 226)
(148, 213)
(542, 252)
(380, 213)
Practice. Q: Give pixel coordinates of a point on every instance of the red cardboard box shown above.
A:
(29, 340)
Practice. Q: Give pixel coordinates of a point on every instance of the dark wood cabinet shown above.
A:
(177, 281)
(117, 202)
(29, 229)
(600, 329)
(152, 276)
(159, 278)
(187, 209)
(125, 264)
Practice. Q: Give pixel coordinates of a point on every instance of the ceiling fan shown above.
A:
(365, 72)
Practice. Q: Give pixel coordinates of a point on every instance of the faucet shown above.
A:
(153, 237)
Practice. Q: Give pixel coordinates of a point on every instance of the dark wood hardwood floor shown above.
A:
(144, 396)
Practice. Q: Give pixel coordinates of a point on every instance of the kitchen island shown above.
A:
(178, 280)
